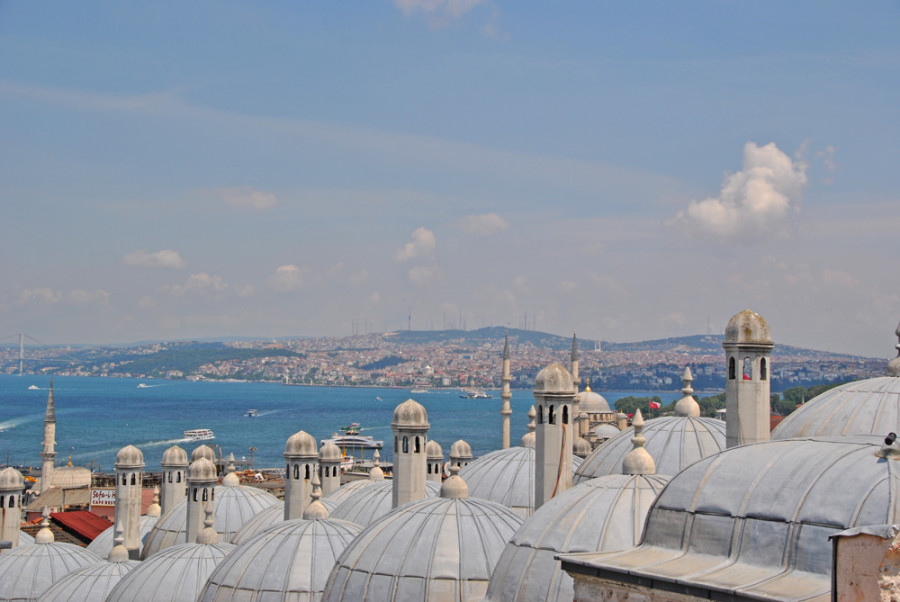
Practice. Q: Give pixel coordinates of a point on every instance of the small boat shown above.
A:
(252, 413)
(143, 386)
(351, 429)
(476, 395)
(33, 388)
(378, 398)
(418, 390)
(199, 434)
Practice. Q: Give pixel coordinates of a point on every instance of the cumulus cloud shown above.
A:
(245, 196)
(449, 8)
(487, 223)
(757, 200)
(47, 296)
(165, 258)
(422, 243)
(287, 278)
(199, 284)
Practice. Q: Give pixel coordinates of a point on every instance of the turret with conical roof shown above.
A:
(505, 396)
(174, 468)
(435, 455)
(300, 455)
(410, 426)
(48, 453)
(554, 390)
(201, 491)
(12, 484)
(747, 344)
(129, 477)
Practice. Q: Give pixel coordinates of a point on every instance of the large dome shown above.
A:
(673, 442)
(433, 549)
(754, 520)
(103, 543)
(70, 477)
(290, 561)
(90, 583)
(591, 402)
(505, 476)
(28, 570)
(870, 406)
(264, 519)
(601, 514)
(234, 505)
(371, 503)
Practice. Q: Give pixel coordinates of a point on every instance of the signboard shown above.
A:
(103, 497)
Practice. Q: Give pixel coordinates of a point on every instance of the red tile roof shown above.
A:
(82, 522)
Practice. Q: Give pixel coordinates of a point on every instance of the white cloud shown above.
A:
(487, 223)
(287, 278)
(165, 258)
(450, 8)
(201, 283)
(756, 201)
(82, 297)
(566, 286)
(245, 196)
(422, 274)
(422, 243)
(48, 296)
(40, 295)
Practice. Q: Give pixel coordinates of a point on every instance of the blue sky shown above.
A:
(631, 170)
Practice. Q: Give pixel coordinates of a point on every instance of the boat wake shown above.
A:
(14, 422)
(267, 413)
(100, 452)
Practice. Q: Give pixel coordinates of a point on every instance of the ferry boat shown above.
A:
(143, 386)
(352, 439)
(33, 388)
(199, 434)
(476, 395)
(252, 413)
(419, 390)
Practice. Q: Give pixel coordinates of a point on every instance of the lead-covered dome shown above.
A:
(747, 327)
(329, 452)
(103, 543)
(203, 451)
(433, 549)
(70, 477)
(27, 571)
(408, 414)
(11, 480)
(368, 504)
(602, 514)
(754, 520)
(90, 583)
(174, 456)
(265, 519)
(863, 407)
(129, 457)
(301, 444)
(554, 380)
(673, 442)
(591, 402)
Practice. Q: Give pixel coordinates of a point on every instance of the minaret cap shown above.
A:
(119, 552)
(893, 367)
(154, 509)
(747, 328)
(554, 380)
(208, 534)
(638, 460)
(375, 473)
(506, 346)
(687, 405)
(316, 509)
(454, 487)
(45, 535)
(410, 414)
(50, 414)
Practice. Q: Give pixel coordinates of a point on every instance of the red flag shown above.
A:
(654, 405)
(746, 377)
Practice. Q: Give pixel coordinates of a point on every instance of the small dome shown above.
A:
(439, 548)
(369, 504)
(129, 457)
(103, 543)
(70, 477)
(202, 469)
(410, 414)
(176, 573)
(505, 476)
(233, 507)
(460, 449)
(433, 450)
(290, 561)
(581, 448)
(329, 452)
(90, 583)
(554, 380)
(264, 519)
(11, 480)
(301, 444)
(174, 456)
(203, 451)
(591, 402)
(602, 432)
(599, 515)
(27, 571)
(674, 443)
(747, 327)
(870, 406)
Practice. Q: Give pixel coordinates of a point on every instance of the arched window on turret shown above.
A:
(195, 495)
(396, 448)
(429, 469)
(418, 447)
(124, 479)
(133, 480)
(307, 472)
(763, 371)
(551, 417)
(334, 471)
(205, 494)
(748, 369)
(540, 414)
(170, 477)
(296, 472)
(12, 501)
(405, 445)
(3, 499)
(731, 368)
(565, 415)
(178, 477)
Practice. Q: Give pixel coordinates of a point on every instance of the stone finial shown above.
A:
(454, 486)
(638, 460)
(893, 367)
(375, 473)
(119, 552)
(230, 466)
(528, 438)
(45, 535)
(687, 406)
(208, 534)
(316, 509)
(154, 509)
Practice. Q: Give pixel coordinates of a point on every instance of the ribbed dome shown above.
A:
(870, 406)
(175, 574)
(408, 414)
(70, 477)
(329, 452)
(602, 514)
(129, 457)
(460, 449)
(103, 543)
(591, 402)
(347, 490)
(755, 519)
(174, 456)
(603, 432)
(290, 561)
(674, 443)
(268, 518)
(432, 549)
(11, 480)
(747, 327)
(371, 503)
(505, 476)
(27, 571)
(203, 451)
(233, 507)
(301, 444)
(554, 380)
(90, 583)
(433, 450)
(202, 469)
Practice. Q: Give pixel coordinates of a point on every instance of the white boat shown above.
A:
(199, 434)
(143, 386)
(418, 390)
(33, 388)
(354, 441)
(252, 413)
(347, 463)
(476, 395)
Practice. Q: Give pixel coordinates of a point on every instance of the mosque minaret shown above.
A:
(48, 455)
(174, 467)
(201, 491)
(747, 344)
(410, 426)
(129, 477)
(505, 395)
(574, 362)
(300, 456)
(554, 391)
(11, 487)
(329, 467)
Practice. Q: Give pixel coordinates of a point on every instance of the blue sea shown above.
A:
(95, 417)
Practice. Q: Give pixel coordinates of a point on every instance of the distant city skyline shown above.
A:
(633, 172)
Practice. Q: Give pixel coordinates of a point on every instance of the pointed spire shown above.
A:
(574, 346)
(154, 509)
(119, 552)
(375, 473)
(50, 414)
(316, 509)
(506, 346)
(208, 534)
(638, 460)
(528, 438)
(687, 405)
(45, 535)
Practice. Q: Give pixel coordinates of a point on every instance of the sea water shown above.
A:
(95, 417)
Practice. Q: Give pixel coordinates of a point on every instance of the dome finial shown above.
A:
(687, 406)
(119, 552)
(154, 509)
(454, 486)
(231, 479)
(316, 509)
(587, 386)
(528, 438)
(375, 473)
(208, 534)
(638, 460)
(45, 535)
(893, 367)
